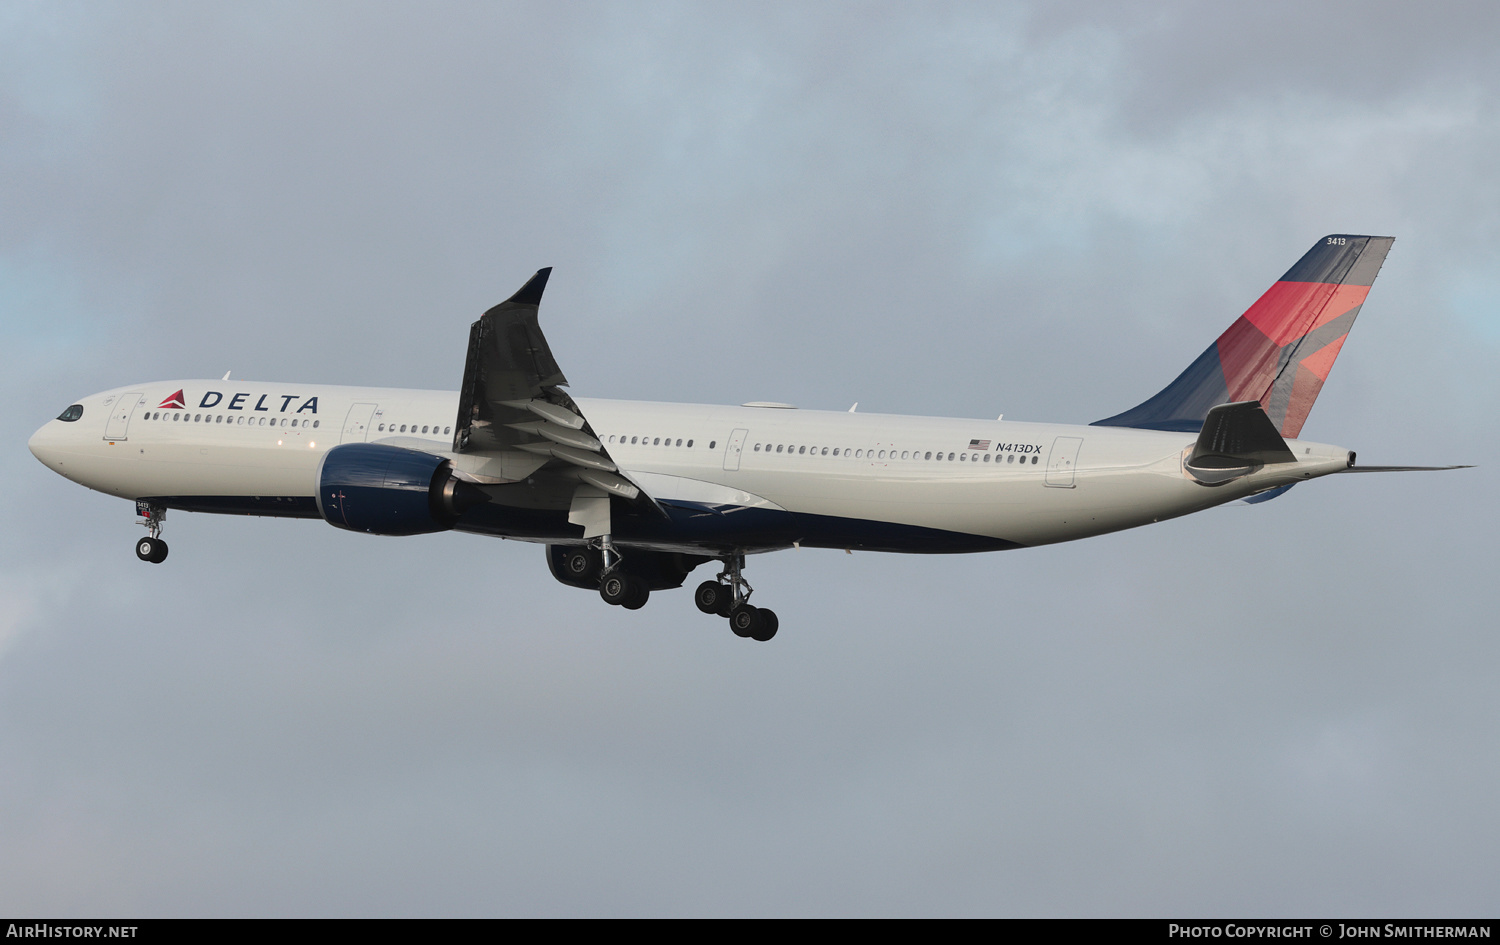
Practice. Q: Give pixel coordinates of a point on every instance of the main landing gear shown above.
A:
(617, 587)
(151, 548)
(599, 564)
(731, 598)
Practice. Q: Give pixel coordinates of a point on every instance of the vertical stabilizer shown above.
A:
(1280, 351)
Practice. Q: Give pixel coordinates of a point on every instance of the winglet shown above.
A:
(531, 292)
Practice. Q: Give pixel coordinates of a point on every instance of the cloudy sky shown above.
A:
(957, 210)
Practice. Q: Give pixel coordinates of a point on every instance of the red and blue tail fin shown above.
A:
(1280, 351)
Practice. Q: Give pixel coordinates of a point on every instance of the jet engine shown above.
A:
(388, 490)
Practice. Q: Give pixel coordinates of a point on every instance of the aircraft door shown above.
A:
(357, 426)
(119, 416)
(1060, 464)
(733, 450)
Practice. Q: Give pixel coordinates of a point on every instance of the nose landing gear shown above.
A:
(731, 598)
(151, 548)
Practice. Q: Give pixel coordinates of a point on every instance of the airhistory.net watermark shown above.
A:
(49, 930)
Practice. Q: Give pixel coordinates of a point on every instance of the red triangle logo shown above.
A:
(174, 401)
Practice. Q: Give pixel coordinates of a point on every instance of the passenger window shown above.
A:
(712, 444)
(679, 442)
(903, 454)
(218, 418)
(690, 442)
(424, 428)
(1033, 459)
(835, 451)
(803, 449)
(656, 442)
(825, 451)
(315, 424)
(963, 457)
(447, 430)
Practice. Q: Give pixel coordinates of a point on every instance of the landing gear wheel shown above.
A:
(710, 597)
(583, 566)
(744, 620)
(767, 625)
(615, 589)
(153, 550)
(639, 594)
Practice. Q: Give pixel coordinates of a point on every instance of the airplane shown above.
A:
(631, 497)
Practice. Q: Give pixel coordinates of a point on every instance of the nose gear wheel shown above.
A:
(151, 548)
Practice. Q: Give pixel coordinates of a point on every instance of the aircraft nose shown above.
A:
(43, 443)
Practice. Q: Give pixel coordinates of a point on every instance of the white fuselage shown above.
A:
(1010, 482)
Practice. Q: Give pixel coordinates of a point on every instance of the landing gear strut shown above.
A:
(618, 587)
(729, 596)
(151, 548)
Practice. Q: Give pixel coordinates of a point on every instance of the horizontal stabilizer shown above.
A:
(1234, 439)
(1237, 435)
(1267, 496)
(1401, 468)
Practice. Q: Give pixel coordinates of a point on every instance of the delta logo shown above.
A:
(213, 398)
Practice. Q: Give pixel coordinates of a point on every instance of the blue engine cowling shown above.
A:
(387, 490)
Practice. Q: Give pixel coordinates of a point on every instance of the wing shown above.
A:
(514, 420)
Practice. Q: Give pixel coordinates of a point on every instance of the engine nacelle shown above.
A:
(387, 490)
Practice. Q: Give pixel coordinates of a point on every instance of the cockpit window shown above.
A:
(72, 413)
